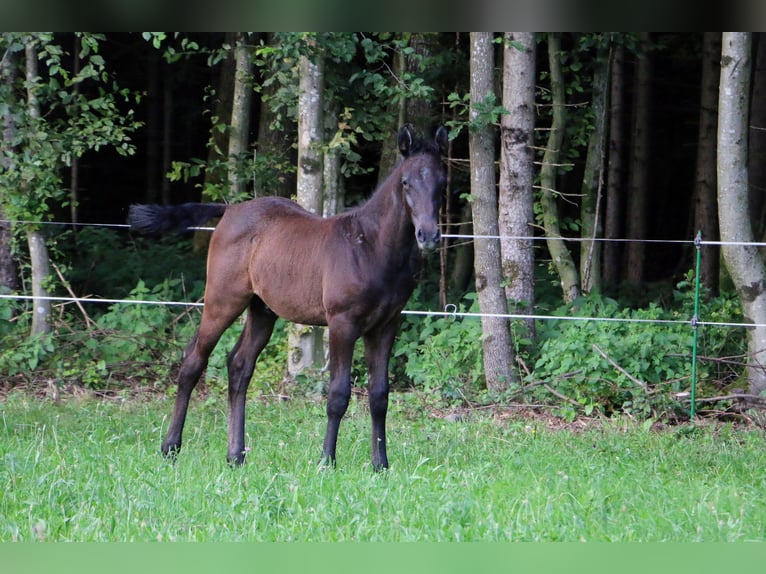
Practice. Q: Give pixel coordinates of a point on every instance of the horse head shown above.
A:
(423, 178)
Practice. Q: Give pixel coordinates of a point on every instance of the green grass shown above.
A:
(88, 470)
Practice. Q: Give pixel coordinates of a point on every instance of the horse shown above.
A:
(353, 272)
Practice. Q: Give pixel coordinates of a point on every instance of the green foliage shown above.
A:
(443, 354)
(72, 113)
(480, 114)
(105, 263)
(634, 364)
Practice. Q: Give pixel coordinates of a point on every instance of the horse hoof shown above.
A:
(237, 460)
(170, 452)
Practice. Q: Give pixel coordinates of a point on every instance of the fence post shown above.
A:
(695, 322)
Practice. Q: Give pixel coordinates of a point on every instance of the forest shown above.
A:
(581, 168)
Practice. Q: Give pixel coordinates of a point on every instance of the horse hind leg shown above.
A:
(240, 364)
(215, 320)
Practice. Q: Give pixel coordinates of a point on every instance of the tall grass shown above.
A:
(89, 470)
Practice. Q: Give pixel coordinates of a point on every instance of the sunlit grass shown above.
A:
(91, 470)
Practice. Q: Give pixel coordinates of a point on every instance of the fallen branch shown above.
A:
(742, 397)
(638, 382)
(88, 321)
(561, 396)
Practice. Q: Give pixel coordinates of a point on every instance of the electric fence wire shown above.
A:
(450, 309)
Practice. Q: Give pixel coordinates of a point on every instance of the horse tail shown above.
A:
(159, 219)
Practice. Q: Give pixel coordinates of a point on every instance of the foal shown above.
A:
(353, 272)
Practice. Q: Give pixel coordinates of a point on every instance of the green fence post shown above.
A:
(695, 322)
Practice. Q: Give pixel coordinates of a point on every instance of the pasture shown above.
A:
(90, 470)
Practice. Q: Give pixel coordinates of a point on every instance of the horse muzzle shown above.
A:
(428, 240)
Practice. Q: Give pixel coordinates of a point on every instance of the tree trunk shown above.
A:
(496, 341)
(305, 343)
(332, 202)
(74, 168)
(310, 123)
(240, 119)
(275, 145)
(705, 206)
(638, 185)
(743, 261)
(516, 213)
(562, 259)
(757, 141)
(38, 251)
(591, 210)
(9, 278)
(613, 228)
(218, 144)
(417, 111)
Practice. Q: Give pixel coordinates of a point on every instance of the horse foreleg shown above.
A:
(240, 364)
(378, 345)
(342, 339)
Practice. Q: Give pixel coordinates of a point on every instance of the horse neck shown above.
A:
(387, 217)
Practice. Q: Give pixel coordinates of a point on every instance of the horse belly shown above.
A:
(291, 287)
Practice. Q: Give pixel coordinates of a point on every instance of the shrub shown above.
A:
(443, 354)
(636, 365)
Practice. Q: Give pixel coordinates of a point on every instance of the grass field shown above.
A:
(90, 470)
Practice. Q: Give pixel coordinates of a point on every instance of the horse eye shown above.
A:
(405, 183)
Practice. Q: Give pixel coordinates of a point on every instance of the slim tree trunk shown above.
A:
(310, 123)
(562, 258)
(9, 278)
(332, 181)
(744, 262)
(38, 251)
(275, 146)
(516, 205)
(496, 341)
(305, 343)
(240, 118)
(757, 141)
(591, 211)
(74, 169)
(615, 172)
(705, 200)
(638, 185)
(218, 145)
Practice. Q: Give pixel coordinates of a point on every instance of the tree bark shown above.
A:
(743, 261)
(9, 278)
(757, 141)
(38, 251)
(496, 341)
(332, 182)
(705, 201)
(613, 227)
(306, 343)
(562, 258)
(591, 211)
(516, 204)
(638, 185)
(310, 134)
(218, 144)
(275, 146)
(240, 118)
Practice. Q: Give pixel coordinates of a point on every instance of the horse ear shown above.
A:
(442, 139)
(404, 140)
